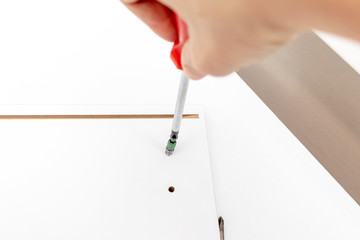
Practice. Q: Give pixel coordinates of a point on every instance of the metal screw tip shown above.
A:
(168, 152)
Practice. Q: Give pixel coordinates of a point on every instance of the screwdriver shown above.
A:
(184, 84)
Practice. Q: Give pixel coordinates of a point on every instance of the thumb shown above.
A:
(187, 62)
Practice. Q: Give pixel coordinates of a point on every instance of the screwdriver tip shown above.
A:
(168, 152)
(170, 147)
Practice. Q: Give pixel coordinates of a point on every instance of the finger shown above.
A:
(187, 63)
(207, 51)
(158, 17)
(202, 54)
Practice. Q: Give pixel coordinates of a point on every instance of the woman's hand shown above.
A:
(226, 35)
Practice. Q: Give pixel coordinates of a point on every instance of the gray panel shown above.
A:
(316, 94)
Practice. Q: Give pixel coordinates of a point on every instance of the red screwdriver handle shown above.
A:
(179, 43)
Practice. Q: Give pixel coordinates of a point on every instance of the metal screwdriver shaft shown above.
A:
(179, 110)
(184, 84)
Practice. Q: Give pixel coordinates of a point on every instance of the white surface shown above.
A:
(267, 185)
(104, 179)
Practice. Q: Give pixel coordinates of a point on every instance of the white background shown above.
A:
(267, 185)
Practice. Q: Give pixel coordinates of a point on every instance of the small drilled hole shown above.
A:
(171, 189)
